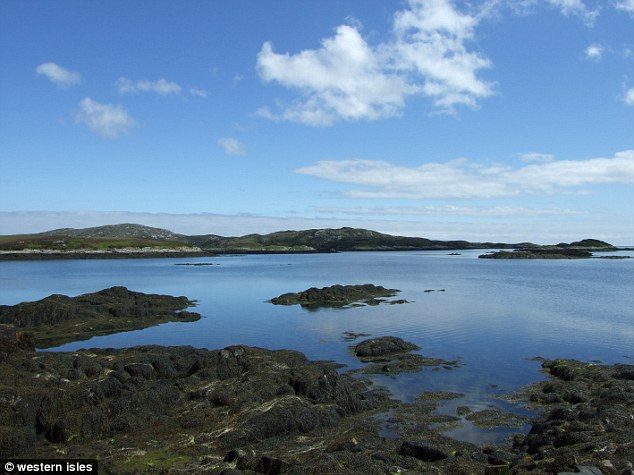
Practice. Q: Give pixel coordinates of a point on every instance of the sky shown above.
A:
(492, 120)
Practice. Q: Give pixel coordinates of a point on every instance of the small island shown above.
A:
(338, 296)
(59, 319)
(575, 250)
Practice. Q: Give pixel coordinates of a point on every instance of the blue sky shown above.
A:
(505, 120)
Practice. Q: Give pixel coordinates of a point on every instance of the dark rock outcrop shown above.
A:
(538, 253)
(59, 319)
(248, 410)
(393, 355)
(337, 296)
(383, 346)
(144, 396)
(587, 414)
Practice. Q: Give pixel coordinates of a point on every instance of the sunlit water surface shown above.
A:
(493, 314)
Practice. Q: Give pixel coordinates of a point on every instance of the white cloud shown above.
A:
(107, 120)
(536, 157)
(594, 52)
(578, 8)
(198, 92)
(431, 43)
(626, 6)
(462, 179)
(346, 78)
(58, 75)
(162, 86)
(450, 210)
(628, 98)
(232, 146)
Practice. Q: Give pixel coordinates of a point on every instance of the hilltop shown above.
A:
(125, 240)
(135, 240)
(332, 240)
(126, 230)
(122, 240)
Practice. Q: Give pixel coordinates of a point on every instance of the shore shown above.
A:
(246, 410)
(249, 410)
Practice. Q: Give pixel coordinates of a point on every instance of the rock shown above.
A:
(140, 370)
(173, 397)
(59, 319)
(587, 414)
(391, 355)
(336, 296)
(583, 470)
(497, 470)
(422, 451)
(383, 346)
(539, 253)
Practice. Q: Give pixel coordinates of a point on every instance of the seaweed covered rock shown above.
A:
(586, 414)
(383, 346)
(393, 355)
(152, 396)
(336, 296)
(59, 319)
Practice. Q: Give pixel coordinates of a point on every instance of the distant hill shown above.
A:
(102, 239)
(138, 238)
(328, 240)
(575, 250)
(126, 230)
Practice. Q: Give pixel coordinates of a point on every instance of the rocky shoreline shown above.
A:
(54, 254)
(246, 410)
(59, 319)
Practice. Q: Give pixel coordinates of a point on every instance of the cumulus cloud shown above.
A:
(594, 52)
(198, 92)
(628, 97)
(161, 87)
(578, 8)
(536, 157)
(432, 38)
(463, 179)
(450, 210)
(232, 146)
(626, 6)
(346, 78)
(106, 120)
(58, 75)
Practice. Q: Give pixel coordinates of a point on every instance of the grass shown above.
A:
(64, 243)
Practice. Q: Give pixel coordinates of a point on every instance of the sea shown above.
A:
(497, 317)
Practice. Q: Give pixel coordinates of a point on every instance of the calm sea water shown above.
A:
(493, 314)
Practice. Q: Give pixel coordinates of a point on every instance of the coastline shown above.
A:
(245, 410)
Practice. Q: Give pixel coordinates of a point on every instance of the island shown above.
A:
(59, 319)
(575, 250)
(338, 296)
(137, 241)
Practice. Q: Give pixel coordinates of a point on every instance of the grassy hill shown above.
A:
(127, 231)
(328, 240)
(102, 238)
(138, 237)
